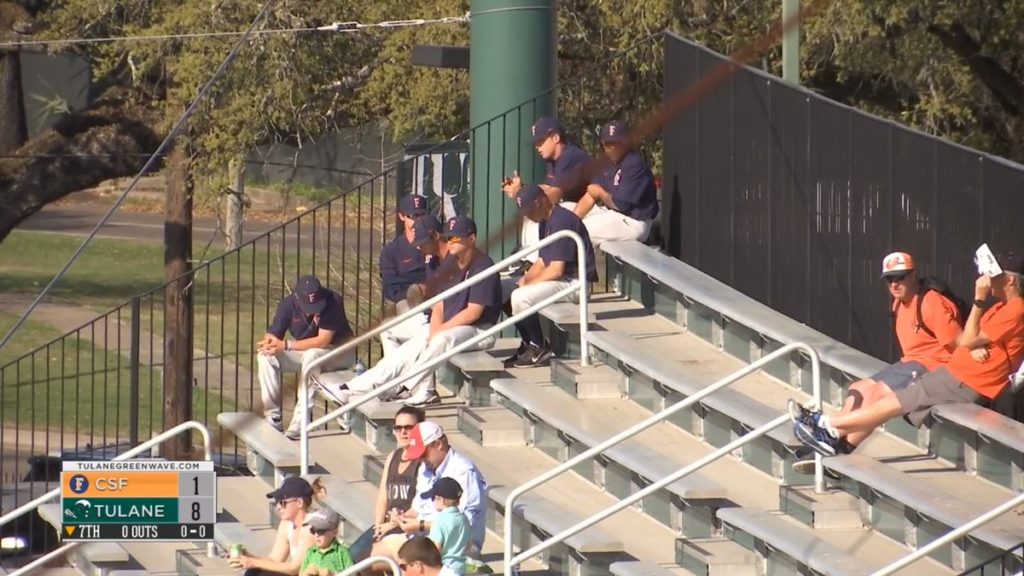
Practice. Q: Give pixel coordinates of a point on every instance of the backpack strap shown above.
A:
(920, 320)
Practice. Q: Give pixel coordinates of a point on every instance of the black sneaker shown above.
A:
(534, 356)
(511, 360)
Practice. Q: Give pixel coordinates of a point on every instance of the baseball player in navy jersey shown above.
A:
(433, 247)
(563, 178)
(452, 321)
(622, 202)
(315, 318)
(402, 266)
(556, 267)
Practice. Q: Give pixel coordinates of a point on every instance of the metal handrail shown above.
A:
(364, 564)
(951, 535)
(580, 285)
(511, 561)
(156, 440)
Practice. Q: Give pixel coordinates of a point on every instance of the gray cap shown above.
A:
(323, 519)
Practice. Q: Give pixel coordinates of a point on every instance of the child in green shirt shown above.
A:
(450, 529)
(327, 556)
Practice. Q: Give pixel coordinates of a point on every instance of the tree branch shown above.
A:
(1005, 88)
(110, 140)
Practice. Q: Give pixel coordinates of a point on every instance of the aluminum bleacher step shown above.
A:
(594, 381)
(789, 547)
(917, 511)
(987, 442)
(473, 371)
(271, 455)
(563, 426)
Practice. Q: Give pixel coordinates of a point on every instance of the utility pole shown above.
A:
(178, 305)
(791, 42)
(512, 60)
(234, 213)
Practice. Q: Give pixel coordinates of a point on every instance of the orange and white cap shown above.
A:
(897, 263)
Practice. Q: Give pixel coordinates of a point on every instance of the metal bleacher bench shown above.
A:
(794, 540)
(552, 519)
(693, 285)
(570, 417)
(1005, 532)
(734, 404)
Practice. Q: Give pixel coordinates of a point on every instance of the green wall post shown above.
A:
(512, 69)
(791, 42)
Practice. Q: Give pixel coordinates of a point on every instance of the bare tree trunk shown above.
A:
(235, 210)
(13, 132)
(178, 299)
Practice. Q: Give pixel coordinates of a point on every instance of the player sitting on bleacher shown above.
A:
(989, 351)
(433, 247)
(621, 202)
(556, 267)
(453, 321)
(402, 266)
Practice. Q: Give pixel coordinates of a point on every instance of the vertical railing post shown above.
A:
(133, 368)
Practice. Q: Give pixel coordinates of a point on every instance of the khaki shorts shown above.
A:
(931, 389)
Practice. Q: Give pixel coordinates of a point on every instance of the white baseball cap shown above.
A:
(424, 434)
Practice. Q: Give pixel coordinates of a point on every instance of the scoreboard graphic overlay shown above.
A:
(152, 500)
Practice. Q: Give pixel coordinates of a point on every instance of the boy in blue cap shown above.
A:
(556, 267)
(454, 320)
(622, 201)
(450, 529)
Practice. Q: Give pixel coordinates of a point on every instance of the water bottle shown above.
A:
(359, 367)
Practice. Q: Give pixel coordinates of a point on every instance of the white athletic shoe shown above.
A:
(423, 397)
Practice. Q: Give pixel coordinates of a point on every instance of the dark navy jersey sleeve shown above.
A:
(333, 318)
(401, 265)
(631, 185)
(564, 250)
(566, 173)
(282, 318)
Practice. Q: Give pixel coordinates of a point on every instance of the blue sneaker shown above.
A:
(816, 438)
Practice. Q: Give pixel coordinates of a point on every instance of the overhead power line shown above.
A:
(339, 27)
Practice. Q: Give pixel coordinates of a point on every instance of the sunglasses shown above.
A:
(404, 427)
(896, 278)
(455, 239)
(319, 531)
(284, 502)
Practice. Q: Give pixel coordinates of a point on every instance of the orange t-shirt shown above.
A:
(1004, 326)
(940, 316)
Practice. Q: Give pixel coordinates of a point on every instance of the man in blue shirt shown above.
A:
(563, 179)
(622, 202)
(427, 240)
(403, 268)
(453, 321)
(315, 318)
(428, 442)
(557, 266)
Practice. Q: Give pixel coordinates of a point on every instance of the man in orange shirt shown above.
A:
(988, 351)
(927, 343)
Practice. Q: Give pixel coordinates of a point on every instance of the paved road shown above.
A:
(79, 220)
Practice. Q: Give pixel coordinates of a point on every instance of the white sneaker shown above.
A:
(336, 394)
(423, 397)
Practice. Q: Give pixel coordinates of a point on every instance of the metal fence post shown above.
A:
(133, 382)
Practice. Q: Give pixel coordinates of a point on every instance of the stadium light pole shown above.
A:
(791, 42)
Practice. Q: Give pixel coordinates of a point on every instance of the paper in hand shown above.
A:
(986, 262)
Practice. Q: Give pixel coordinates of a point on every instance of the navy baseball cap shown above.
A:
(412, 205)
(423, 229)
(444, 487)
(460, 226)
(615, 131)
(292, 487)
(544, 127)
(310, 295)
(528, 197)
